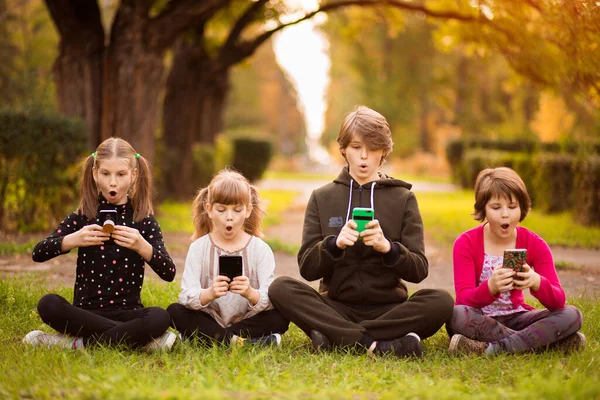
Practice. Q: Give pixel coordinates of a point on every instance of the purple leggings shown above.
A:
(517, 332)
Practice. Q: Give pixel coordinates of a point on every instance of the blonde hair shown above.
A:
(500, 182)
(228, 187)
(372, 128)
(141, 190)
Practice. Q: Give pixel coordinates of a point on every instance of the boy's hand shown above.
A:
(348, 235)
(373, 236)
(501, 280)
(529, 279)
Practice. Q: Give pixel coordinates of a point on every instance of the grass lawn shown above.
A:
(288, 372)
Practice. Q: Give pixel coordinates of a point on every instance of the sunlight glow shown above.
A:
(302, 51)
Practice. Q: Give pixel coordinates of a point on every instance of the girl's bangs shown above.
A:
(230, 192)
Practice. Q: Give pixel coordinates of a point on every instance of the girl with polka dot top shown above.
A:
(107, 308)
(213, 307)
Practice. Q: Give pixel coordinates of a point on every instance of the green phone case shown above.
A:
(362, 216)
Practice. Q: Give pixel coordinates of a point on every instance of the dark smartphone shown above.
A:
(108, 219)
(514, 259)
(230, 266)
(362, 216)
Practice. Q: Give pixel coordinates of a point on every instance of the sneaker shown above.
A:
(574, 342)
(164, 342)
(460, 344)
(273, 339)
(41, 338)
(319, 341)
(407, 346)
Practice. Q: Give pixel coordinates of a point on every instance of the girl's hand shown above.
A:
(89, 235)
(241, 285)
(348, 235)
(501, 280)
(219, 288)
(373, 236)
(530, 279)
(129, 238)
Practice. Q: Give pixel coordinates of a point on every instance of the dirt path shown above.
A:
(61, 271)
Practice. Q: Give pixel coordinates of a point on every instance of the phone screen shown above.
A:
(108, 219)
(362, 216)
(514, 259)
(230, 266)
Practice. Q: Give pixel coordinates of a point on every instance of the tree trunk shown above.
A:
(192, 113)
(78, 67)
(133, 74)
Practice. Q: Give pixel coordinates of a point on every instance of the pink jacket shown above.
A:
(468, 255)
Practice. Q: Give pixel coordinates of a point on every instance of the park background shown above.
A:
(197, 85)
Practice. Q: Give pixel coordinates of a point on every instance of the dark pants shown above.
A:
(424, 313)
(134, 328)
(517, 332)
(198, 324)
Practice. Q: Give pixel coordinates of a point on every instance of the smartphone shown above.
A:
(514, 259)
(108, 219)
(362, 216)
(230, 266)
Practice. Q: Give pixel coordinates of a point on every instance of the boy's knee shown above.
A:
(280, 287)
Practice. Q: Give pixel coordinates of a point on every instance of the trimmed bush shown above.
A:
(476, 160)
(587, 187)
(39, 172)
(204, 164)
(553, 184)
(251, 157)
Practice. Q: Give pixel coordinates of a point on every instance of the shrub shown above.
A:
(38, 169)
(251, 157)
(553, 185)
(587, 187)
(204, 164)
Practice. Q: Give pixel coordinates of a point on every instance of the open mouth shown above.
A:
(505, 226)
(229, 228)
(112, 193)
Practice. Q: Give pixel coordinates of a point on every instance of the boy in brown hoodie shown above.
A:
(362, 300)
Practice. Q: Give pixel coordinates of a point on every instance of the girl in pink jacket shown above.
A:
(490, 315)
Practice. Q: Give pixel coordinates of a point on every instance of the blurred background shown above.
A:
(264, 85)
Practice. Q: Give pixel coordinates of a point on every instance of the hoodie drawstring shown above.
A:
(350, 199)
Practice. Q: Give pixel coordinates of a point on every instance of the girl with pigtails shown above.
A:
(107, 308)
(213, 307)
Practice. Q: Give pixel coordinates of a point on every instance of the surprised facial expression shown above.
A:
(113, 178)
(228, 220)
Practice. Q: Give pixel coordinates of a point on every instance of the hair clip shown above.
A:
(137, 155)
(94, 155)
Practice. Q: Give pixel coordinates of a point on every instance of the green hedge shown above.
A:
(39, 169)
(587, 187)
(251, 157)
(553, 183)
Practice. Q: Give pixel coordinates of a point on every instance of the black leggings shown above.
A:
(198, 324)
(133, 328)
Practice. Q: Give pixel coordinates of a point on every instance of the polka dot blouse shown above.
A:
(109, 277)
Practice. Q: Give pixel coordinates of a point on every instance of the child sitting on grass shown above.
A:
(490, 315)
(213, 307)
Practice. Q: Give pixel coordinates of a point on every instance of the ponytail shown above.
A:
(88, 203)
(202, 224)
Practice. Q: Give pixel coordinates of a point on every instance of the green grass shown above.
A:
(447, 215)
(288, 372)
(7, 248)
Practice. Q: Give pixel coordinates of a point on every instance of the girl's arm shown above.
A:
(191, 289)
(64, 238)
(265, 269)
(152, 248)
(465, 279)
(550, 292)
